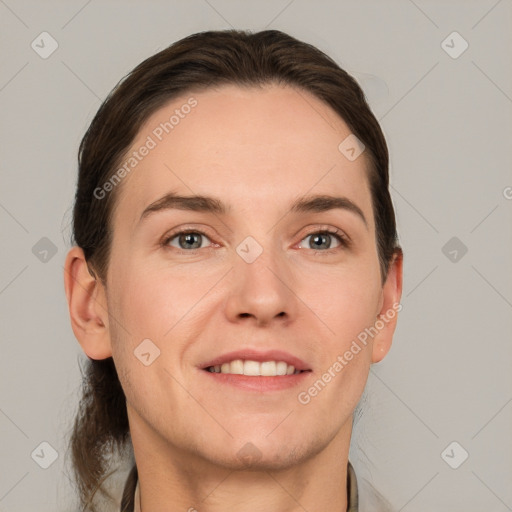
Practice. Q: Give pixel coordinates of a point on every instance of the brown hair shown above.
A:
(194, 63)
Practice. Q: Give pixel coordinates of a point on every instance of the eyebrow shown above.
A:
(200, 203)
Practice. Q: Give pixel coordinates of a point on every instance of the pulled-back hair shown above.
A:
(195, 63)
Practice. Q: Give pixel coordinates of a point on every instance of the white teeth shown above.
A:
(268, 369)
(281, 368)
(252, 368)
(237, 367)
(255, 368)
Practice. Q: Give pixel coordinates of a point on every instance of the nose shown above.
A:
(262, 291)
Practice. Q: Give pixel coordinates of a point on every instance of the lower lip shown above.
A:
(258, 383)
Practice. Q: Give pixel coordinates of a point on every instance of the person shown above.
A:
(235, 273)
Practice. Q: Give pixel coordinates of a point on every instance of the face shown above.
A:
(254, 279)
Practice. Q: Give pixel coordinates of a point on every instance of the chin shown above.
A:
(263, 454)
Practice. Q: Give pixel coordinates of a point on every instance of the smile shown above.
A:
(254, 368)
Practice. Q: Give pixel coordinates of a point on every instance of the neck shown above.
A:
(175, 479)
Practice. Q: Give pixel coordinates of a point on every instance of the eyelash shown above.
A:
(336, 233)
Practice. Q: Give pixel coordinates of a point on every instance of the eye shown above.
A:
(186, 240)
(322, 240)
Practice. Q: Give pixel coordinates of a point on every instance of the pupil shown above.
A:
(319, 237)
(189, 238)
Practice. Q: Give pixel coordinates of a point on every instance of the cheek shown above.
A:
(345, 301)
(150, 303)
(140, 311)
(336, 387)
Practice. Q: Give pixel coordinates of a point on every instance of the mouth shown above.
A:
(254, 363)
(255, 368)
(252, 370)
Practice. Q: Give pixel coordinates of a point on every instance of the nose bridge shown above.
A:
(260, 263)
(260, 283)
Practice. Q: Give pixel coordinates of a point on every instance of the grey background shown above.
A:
(448, 122)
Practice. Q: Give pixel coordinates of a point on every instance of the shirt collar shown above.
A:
(131, 495)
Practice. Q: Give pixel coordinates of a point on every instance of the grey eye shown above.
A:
(188, 240)
(322, 240)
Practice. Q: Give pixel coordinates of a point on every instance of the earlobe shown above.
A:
(87, 306)
(390, 306)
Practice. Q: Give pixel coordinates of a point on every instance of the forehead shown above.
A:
(251, 147)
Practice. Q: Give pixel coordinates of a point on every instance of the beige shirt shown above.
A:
(131, 494)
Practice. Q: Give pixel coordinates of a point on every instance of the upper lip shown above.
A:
(249, 354)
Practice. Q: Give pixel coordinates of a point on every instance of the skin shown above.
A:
(256, 149)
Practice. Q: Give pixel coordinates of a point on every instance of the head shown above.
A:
(251, 123)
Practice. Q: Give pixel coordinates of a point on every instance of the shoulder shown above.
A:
(370, 499)
(130, 488)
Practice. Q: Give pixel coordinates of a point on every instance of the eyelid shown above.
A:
(343, 239)
(328, 229)
(170, 235)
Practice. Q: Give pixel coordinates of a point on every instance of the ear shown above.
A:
(87, 305)
(390, 306)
